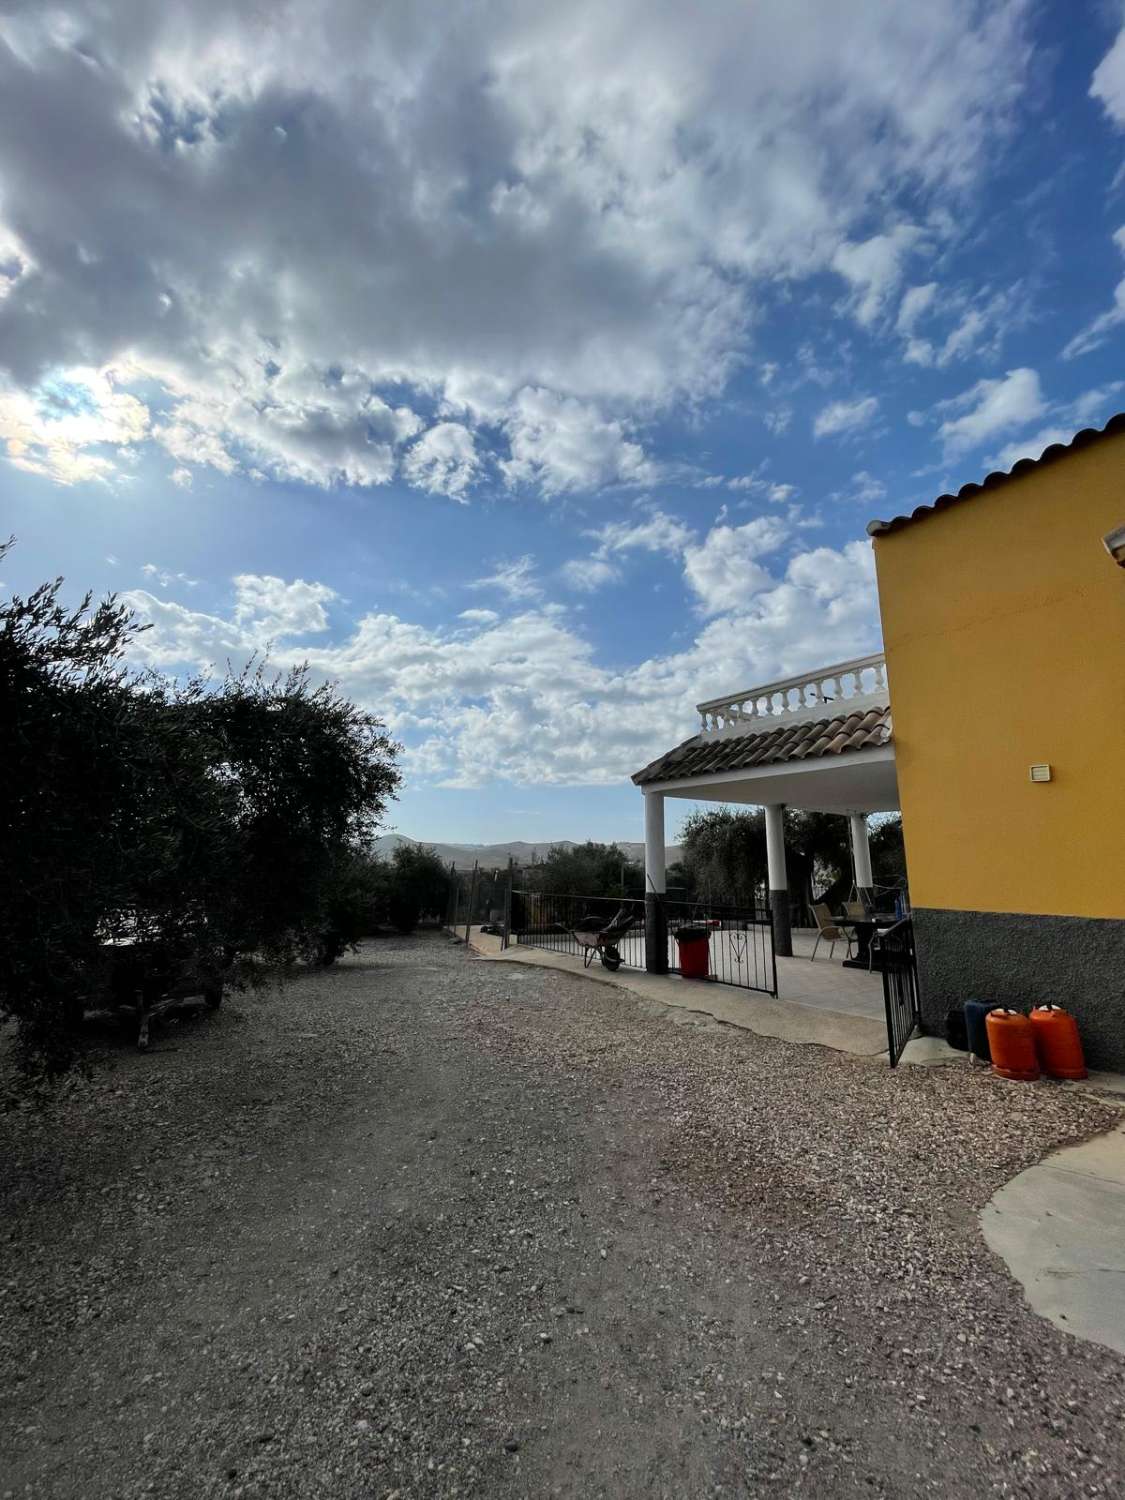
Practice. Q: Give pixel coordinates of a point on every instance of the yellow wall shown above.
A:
(1004, 627)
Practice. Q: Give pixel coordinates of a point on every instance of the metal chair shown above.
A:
(829, 930)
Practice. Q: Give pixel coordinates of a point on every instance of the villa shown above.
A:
(994, 721)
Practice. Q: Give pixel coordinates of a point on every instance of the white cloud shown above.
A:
(983, 321)
(526, 699)
(845, 416)
(776, 492)
(864, 489)
(270, 607)
(989, 408)
(64, 428)
(874, 269)
(299, 235)
(181, 478)
(1070, 417)
(560, 444)
(479, 616)
(1030, 447)
(443, 460)
(1108, 82)
(654, 532)
(165, 578)
(1098, 331)
(516, 579)
(586, 574)
(916, 301)
(725, 570)
(319, 427)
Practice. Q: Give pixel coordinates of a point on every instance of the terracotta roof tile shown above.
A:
(705, 755)
(1049, 455)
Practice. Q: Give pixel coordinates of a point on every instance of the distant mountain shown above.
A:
(496, 856)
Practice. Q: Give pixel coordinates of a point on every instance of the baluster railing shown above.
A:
(849, 685)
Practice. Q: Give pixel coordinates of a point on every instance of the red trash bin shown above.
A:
(694, 944)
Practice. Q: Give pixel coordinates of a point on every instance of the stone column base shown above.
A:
(782, 931)
(656, 935)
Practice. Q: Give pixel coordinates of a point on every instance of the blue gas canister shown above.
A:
(977, 1031)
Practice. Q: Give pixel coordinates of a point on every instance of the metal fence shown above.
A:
(592, 928)
(611, 930)
(895, 947)
(740, 941)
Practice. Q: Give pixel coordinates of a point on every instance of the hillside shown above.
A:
(496, 856)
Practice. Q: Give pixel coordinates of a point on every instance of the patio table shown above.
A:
(865, 929)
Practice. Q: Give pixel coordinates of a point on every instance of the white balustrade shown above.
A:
(844, 688)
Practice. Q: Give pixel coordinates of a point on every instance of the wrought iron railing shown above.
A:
(895, 950)
(740, 941)
(611, 930)
(574, 924)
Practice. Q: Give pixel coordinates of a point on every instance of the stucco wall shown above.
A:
(1019, 960)
(1004, 628)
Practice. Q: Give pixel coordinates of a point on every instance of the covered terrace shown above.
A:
(820, 741)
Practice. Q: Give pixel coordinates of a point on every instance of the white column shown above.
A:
(655, 883)
(656, 922)
(775, 847)
(778, 879)
(861, 851)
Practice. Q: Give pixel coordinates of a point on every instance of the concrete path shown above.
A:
(1060, 1226)
(693, 1001)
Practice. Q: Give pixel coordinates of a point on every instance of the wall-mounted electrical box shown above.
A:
(1040, 773)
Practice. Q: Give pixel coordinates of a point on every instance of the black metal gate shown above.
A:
(900, 985)
(740, 938)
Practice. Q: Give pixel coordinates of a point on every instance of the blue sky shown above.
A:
(534, 371)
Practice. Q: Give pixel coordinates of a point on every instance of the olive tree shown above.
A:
(190, 822)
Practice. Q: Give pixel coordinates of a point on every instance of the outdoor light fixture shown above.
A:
(1115, 545)
(1040, 773)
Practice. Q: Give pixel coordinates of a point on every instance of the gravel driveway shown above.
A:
(427, 1225)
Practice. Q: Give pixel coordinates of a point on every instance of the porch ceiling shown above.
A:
(861, 781)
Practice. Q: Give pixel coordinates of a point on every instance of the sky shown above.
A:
(532, 371)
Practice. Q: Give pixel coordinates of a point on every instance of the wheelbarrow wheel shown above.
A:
(611, 959)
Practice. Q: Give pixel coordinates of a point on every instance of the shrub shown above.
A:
(190, 821)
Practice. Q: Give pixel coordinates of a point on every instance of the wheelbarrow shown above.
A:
(601, 942)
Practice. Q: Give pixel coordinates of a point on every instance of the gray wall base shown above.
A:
(782, 930)
(1021, 961)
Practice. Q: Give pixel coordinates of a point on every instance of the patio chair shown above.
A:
(829, 930)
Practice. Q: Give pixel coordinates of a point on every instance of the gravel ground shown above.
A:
(426, 1225)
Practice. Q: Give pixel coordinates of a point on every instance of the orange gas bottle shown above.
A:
(1057, 1042)
(1011, 1040)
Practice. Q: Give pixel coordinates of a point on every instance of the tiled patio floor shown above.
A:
(824, 983)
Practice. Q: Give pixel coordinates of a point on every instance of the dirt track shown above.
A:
(430, 1225)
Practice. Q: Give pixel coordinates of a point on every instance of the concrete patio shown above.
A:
(823, 982)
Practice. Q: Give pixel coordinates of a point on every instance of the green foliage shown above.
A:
(311, 774)
(588, 869)
(417, 886)
(724, 854)
(818, 856)
(192, 822)
(888, 854)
